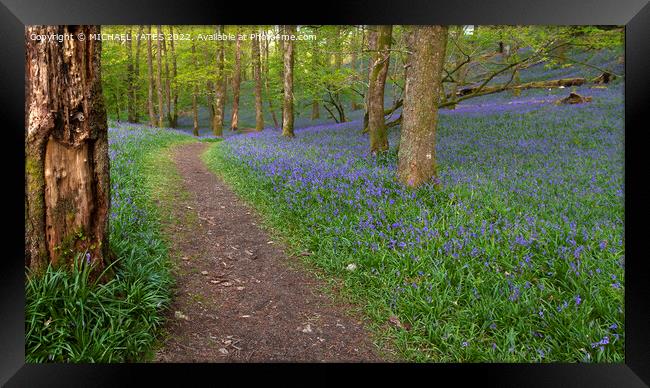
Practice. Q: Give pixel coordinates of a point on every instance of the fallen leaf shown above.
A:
(223, 351)
(307, 328)
(180, 315)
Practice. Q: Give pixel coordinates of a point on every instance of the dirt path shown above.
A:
(237, 297)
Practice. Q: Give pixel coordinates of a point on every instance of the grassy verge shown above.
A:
(71, 319)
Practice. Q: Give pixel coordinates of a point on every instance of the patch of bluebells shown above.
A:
(529, 214)
(126, 143)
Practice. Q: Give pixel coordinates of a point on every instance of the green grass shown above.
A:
(72, 319)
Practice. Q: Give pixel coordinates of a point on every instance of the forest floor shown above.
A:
(239, 296)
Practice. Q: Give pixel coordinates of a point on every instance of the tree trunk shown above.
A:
(315, 110)
(159, 84)
(219, 95)
(195, 92)
(376, 123)
(174, 121)
(372, 47)
(137, 75)
(168, 93)
(417, 153)
(152, 113)
(255, 58)
(287, 107)
(236, 83)
(267, 87)
(130, 79)
(315, 62)
(66, 147)
(338, 60)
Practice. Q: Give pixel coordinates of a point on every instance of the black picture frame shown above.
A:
(634, 14)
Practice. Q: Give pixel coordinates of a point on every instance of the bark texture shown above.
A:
(417, 156)
(255, 58)
(287, 107)
(66, 147)
(377, 81)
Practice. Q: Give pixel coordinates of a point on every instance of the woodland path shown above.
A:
(239, 296)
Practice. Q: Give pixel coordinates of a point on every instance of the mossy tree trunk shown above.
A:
(377, 81)
(255, 58)
(287, 107)
(220, 89)
(236, 83)
(417, 157)
(66, 147)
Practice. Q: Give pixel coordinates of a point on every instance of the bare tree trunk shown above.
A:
(287, 107)
(236, 83)
(130, 79)
(267, 87)
(417, 152)
(66, 149)
(159, 85)
(137, 75)
(372, 47)
(174, 121)
(377, 81)
(255, 59)
(152, 113)
(219, 100)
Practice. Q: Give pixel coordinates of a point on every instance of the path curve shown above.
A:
(237, 299)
